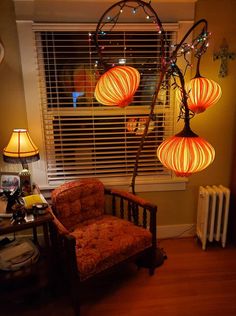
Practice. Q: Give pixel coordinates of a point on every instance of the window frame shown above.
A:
(26, 31)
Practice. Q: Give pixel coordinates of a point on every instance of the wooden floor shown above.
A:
(191, 282)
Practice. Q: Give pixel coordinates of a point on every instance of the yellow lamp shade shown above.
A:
(20, 147)
(185, 154)
(202, 93)
(117, 86)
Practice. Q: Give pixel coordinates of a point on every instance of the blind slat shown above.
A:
(84, 138)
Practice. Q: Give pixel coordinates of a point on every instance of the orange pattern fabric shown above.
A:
(77, 201)
(101, 240)
(105, 241)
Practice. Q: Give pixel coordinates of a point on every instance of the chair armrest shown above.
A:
(134, 208)
(61, 229)
(64, 244)
(131, 197)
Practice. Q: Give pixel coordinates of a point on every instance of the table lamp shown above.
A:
(21, 149)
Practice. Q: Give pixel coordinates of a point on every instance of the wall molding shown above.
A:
(176, 231)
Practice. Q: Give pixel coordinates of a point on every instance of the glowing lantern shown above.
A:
(138, 126)
(117, 86)
(185, 153)
(202, 93)
(85, 81)
(79, 79)
(131, 125)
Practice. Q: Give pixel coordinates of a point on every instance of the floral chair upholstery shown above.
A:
(92, 240)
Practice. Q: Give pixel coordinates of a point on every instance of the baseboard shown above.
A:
(176, 231)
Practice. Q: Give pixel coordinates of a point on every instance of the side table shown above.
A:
(44, 220)
(19, 283)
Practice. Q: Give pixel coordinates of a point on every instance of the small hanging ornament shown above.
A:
(138, 125)
(117, 86)
(131, 125)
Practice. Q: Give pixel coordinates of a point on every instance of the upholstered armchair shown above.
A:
(94, 234)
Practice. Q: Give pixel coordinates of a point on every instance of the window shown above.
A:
(84, 138)
(76, 136)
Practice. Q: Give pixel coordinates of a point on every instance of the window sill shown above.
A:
(152, 185)
(173, 184)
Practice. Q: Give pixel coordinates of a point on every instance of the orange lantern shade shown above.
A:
(185, 154)
(131, 125)
(202, 93)
(79, 79)
(117, 86)
(85, 81)
(138, 125)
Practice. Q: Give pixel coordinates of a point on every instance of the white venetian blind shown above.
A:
(84, 138)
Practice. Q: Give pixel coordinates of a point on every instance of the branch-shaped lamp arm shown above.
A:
(175, 68)
(141, 144)
(167, 64)
(195, 25)
(106, 19)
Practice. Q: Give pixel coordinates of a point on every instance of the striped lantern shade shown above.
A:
(85, 81)
(185, 154)
(202, 93)
(117, 86)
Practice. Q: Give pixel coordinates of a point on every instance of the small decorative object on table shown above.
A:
(25, 182)
(10, 191)
(35, 203)
(18, 215)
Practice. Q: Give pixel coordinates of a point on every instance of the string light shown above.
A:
(190, 146)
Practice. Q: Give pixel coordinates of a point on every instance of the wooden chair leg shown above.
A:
(74, 291)
(76, 307)
(153, 259)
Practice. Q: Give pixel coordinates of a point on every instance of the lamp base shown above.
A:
(25, 182)
(156, 259)
(160, 257)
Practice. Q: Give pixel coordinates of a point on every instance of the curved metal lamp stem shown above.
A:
(122, 4)
(165, 65)
(184, 100)
(141, 144)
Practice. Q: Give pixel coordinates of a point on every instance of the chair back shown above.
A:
(76, 201)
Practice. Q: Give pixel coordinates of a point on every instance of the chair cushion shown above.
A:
(77, 201)
(105, 241)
